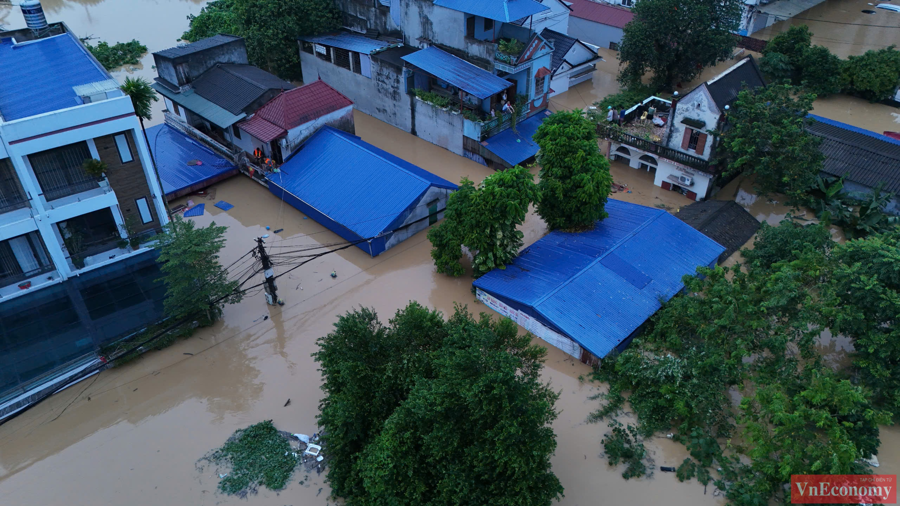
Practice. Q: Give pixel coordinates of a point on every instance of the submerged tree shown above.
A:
(484, 219)
(675, 39)
(423, 411)
(875, 74)
(196, 283)
(574, 179)
(768, 138)
(270, 28)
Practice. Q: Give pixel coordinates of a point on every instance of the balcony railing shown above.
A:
(11, 203)
(652, 147)
(70, 189)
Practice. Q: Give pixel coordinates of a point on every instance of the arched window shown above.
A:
(648, 159)
(622, 150)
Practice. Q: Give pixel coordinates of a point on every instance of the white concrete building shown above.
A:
(573, 61)
(675, 139)
(58, 108)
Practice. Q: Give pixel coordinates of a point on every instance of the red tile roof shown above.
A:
(293, 108)
(604, 14)
(543, 71)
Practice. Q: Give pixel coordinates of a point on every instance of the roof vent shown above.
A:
(98, 91)
(34, 15)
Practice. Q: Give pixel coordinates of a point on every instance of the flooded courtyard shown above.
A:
(136, 432)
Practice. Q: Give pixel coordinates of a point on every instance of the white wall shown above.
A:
(39, 133)
(170, 106)
(297, 135)
(664, 168)
(594, 33)
(697, 104)
(556, 19)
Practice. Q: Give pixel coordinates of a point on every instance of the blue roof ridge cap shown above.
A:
(598, 259)
(861, 131)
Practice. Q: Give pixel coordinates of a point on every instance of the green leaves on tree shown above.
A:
(768, 138)
(195, 280)
(121, 53)
(269, 27)
(484, 219)
(673, 39)
(574, 179)
(423, 411)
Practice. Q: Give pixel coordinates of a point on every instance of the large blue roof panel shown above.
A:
(353, 183)
(601, 285)
(457, 72)
(506, 11)
(516, 147)
(349, 41)
(174, 152)
(38, 76)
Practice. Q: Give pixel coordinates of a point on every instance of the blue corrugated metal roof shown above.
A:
(349, 41)
(458, 72)
(352, 182)
(516, 147)
(38, 76)
(500, 10)
(172, 150)
(599, 286)
(863, 131)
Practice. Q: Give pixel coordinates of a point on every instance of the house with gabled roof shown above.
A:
(675, 139)
(291, 117)
(209, 86)
(573, 61)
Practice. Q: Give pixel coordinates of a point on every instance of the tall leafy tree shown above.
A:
(866, 280)
(142, 98)
(270, 28)
(423, 411)
(484, 219)
(574, 179)
(675, 39)
(196, 283)
(788, 47)
(875, 74)
(768, 139)
(822, 72)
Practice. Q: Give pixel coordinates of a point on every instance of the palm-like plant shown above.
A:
(142, 97)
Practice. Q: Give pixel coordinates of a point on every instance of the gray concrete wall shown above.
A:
(342, 119)
(362, 15)
(594, 33)
(200, 62)
(419, 212)
(423, 19)
(382, 96)
(439, 126)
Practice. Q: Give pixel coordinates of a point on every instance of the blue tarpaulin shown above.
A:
(351, 187)
(598, 287)
(458, 72)
(173, 150)
(516, 147)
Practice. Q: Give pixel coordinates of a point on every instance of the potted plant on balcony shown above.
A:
(511, 47)
(74, 241)
(95, 168)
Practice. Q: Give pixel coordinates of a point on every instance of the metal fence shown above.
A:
(11, 195)
(59, 171)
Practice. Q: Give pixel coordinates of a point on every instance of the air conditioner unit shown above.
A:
(686, 180)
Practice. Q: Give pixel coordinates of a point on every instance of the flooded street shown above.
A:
(135, 433)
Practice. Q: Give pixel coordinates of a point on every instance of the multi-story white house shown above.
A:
(676, 139)
(58, 108)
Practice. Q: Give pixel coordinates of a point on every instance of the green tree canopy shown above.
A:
(142, 96)
(194, 278)
(822, 73)
(874, 75)
(484, 219)
(270, 28)
(574, 178)
(790, 45)
(752, 330)
(768, 138)
(675, 39)
(424, 411)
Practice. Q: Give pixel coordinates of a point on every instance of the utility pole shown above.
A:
(271, 289)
